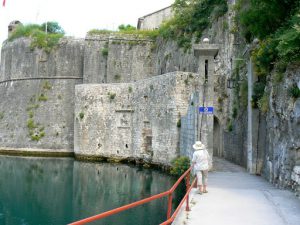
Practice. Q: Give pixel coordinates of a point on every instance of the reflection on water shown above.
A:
(60, 190)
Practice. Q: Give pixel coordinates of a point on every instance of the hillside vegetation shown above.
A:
(191, 18)
(276, 26)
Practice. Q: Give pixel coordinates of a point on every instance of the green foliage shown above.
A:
(35, 130)
(152, 34)
(263, 103)
(81, 115)
(265, 56)
(40, 39)
(30, 114)
(33, 106)
(277, 24)
(37, 136)
(278, 77)
(191, 18)
(24, 31)
(130, 89)
(127, 27)
(294, 91)
(260, 18)
(180, 165)
(1, 115)
(43, 97)
(104, 52)
(99, 32)
(111, 95)
(258, 92)
(288, 47)
(31, 124)
(45, 41)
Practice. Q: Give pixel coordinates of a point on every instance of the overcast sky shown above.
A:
(77, 17)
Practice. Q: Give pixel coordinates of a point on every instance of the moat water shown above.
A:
(57, 191)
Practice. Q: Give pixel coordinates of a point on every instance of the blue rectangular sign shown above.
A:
(207, 110)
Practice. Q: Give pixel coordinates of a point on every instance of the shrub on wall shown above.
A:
(180, 165)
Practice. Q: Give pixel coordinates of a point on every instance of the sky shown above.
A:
(77, 17)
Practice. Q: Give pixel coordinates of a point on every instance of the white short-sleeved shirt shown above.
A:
(201, 160)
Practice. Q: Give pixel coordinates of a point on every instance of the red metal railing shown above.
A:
(168, 193)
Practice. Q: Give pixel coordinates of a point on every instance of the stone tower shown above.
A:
(12, 26)
(206, 53)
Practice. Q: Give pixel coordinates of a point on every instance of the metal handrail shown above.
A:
(146, 200)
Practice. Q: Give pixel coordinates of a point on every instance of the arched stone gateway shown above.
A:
(217, 146)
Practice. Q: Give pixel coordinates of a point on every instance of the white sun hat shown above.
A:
(198, 145)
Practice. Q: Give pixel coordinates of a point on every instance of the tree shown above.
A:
(52, 28)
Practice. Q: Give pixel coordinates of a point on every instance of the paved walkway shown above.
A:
(236, 197)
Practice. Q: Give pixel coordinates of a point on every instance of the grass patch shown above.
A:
(39, 39)
(33, 106)
(152, 34)
(30, 114)
(30, 124)
(37, 136)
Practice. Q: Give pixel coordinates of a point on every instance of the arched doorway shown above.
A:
(217, 146)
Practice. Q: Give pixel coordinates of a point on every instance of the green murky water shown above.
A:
(55, 191)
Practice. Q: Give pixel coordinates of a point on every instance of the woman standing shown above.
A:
(200, 163)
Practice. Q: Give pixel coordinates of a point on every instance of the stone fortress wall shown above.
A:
(39, 99)
(117, 58)
(132, 120)
(37, 92)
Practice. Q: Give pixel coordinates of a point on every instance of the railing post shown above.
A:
(169, 205)
(187, 183)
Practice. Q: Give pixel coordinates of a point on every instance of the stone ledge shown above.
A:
(36, 152)
(128, 160)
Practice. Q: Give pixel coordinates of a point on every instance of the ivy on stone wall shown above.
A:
(191, 18)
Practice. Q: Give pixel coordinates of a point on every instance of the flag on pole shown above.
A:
(3, 3)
